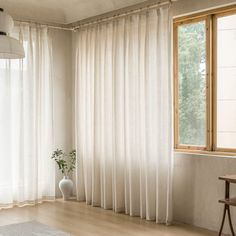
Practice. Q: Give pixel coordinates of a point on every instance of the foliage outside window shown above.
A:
(192, 83)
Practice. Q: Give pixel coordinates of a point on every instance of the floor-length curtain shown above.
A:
(26, 171)
(123, 115)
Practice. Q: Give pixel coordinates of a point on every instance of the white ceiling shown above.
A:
(61, 11)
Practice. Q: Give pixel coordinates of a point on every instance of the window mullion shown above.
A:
(214, 83)
(209, 83)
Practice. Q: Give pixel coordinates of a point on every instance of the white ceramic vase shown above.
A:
(66, 186)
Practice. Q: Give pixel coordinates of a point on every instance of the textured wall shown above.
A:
(182, 7)
(197, 189)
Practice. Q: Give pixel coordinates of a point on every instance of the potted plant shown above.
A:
(66, 164)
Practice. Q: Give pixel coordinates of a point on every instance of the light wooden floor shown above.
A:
(80, 219)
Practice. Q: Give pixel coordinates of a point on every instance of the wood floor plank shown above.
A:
(80, 219)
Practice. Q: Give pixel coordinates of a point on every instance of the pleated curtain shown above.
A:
(26, 128)
(123, 115)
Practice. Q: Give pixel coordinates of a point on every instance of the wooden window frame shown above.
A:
(210, 17)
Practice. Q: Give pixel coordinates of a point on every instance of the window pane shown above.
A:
(192, 83)
(226, 82)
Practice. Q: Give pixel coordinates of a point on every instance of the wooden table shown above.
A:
(228, 201)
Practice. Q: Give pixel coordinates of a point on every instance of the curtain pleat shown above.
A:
(124, 115)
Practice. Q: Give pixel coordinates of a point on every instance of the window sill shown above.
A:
(204, 153)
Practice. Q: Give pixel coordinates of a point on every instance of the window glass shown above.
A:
(226, 82)
(192, 83)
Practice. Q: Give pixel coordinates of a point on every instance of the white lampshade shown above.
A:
(6, 22)
(10, 48)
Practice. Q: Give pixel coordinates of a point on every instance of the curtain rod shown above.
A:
(49, 25)
(103, 18)
(119, 15)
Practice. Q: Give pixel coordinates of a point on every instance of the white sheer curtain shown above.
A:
(123, 115)
(26, 171)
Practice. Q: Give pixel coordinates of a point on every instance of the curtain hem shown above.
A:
(27, 202)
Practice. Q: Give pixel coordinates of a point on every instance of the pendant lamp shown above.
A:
(10, 48)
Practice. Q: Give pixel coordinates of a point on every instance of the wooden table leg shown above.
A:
(230, 221)
(223, 221)
(227, 209)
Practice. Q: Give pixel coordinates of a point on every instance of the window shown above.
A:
(205, 81)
